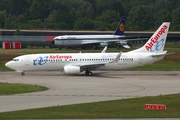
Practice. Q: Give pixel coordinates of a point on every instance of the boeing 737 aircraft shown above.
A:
(93, 40)
(74, 63)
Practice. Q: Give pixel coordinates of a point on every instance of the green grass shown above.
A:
(3, 67)
(126, 108)
(15, 88)
(159, 66)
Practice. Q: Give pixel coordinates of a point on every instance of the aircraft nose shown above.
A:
(53, 42)
(8, 64)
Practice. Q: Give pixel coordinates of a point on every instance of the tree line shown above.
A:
(88, 14)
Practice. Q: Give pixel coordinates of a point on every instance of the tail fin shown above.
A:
(157, 41)
(120, 27)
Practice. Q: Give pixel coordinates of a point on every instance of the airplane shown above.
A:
(94, 40)
(75, 63)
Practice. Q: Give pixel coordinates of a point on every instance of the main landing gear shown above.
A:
(88, 73)
(22, 74)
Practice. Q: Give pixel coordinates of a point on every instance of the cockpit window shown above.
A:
(15, 59)
(56, 39)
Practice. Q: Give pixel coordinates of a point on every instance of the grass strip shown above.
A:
(16, 88)
(124, 108)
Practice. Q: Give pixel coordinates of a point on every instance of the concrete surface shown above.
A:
(75, 89)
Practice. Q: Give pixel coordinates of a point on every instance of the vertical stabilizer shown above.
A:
(157, 41)
(120, 27)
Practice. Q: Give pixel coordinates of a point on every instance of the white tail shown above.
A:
(157, 41)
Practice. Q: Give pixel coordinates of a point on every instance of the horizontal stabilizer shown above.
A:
(170, 53)
(159, 54)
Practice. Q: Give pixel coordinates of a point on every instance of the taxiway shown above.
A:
(75, 89)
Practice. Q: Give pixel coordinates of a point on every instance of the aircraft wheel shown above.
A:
(88, 73)
(22, 74)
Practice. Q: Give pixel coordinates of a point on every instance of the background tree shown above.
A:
(162, 12)
(106, 20)
(39, 9)
(175, 20)
(85, 10)
(2, 19)
(18, 7)
(84, 24)
(140, 18)
(103, 14)
(50, 20)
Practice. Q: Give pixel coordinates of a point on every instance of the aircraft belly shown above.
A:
(71, 43)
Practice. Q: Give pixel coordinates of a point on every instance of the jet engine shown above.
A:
(71, 69)
(124, 44)
(104, 44)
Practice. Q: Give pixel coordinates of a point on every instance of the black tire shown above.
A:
(22, 74)
(90, 73)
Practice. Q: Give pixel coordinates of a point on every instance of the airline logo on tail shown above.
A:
(154, 41)
(121, 27)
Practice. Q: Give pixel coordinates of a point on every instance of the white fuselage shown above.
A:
(57, 62)
(77, 40)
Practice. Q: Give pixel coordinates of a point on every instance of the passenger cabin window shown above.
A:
(15, 59)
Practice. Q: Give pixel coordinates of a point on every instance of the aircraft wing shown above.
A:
(130, 37)
(133, 39)
(94, 66)
(96, 42)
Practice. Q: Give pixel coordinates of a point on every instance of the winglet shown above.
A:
(104, 50)
(117, 58)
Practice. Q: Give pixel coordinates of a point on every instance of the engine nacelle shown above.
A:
(104, 44)
(123, 42)
(71, 69)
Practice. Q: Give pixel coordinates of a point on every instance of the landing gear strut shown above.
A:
(88, 73)
(22, 74)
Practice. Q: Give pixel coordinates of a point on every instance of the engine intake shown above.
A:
(103, 44)
(71, 69)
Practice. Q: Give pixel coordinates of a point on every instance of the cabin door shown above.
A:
(27, 61)
(140, 59)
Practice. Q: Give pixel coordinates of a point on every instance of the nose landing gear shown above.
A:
(22, 74)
